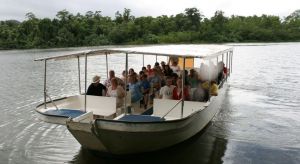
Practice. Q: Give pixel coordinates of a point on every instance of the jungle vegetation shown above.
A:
(190, 26)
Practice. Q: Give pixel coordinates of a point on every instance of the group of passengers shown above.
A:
(163, 81)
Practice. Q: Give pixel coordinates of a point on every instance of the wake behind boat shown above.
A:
(98, 123)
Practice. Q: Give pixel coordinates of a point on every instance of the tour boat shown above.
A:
(98, 124)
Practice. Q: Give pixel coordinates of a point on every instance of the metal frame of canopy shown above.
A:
(194, 52)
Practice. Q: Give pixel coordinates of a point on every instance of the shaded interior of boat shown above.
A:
(101, 107)
(87, 108)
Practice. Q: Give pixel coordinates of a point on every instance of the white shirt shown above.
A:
(167, 92)
(117, 93)
(175, 69)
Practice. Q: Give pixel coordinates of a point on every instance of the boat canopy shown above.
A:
(204, 51)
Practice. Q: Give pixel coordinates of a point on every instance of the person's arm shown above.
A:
(160, 93)
(120, 92)
(104, 91)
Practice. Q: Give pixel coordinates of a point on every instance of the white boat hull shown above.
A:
(121, 137)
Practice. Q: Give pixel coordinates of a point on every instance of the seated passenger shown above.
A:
(193, 79)
(162, 65)
(200, 94)
(166, 92)
(107, 82)
(156, 64)
(131, 71)
(186, 81)
(174, 78)
(149, 70)
(155, 80)
(96, 88)
(177, 92)
(117, 91)
(134, 88)
(213, 87)
(145, 87)
(167, 71)
(123, 78)
(144, 69)
(173, 63)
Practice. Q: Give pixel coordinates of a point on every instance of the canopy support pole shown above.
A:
(126, 77)
(143, 60)
(183, 84)
(79, 79)
(222, 57)
(106, 65)
(85, 82)
(209, 78)
(231, 60)
(227, 65)
(45, 87)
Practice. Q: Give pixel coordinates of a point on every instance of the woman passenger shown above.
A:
(117, 91)
(177, 92)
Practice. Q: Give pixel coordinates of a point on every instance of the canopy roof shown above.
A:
(188, 51)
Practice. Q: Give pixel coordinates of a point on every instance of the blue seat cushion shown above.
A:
(65, 112)
(141, 118)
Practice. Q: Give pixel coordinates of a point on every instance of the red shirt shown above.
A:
(178, 97)
(149, 72)
(225, 70)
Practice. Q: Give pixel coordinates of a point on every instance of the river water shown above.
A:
(259, 121)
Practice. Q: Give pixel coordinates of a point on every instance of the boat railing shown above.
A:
(52, 102)
(172, 108)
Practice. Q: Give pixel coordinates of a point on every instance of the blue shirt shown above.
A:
(135, 91)
(145, 84)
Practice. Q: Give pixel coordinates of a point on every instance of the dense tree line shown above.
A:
(191, 26)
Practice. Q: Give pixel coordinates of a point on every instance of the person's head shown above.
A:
(156, 64)
(114, 82)
(124, 73)
(174, 77)
(96, 79)
(167, 67)
(175, 63)
(143, 68)
(193, 73)
(162, 63)
(141, 73)
(131, 71)
(148, 66)
(169, 81)
(111, 74)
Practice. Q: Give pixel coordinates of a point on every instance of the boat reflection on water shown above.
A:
(201, 148)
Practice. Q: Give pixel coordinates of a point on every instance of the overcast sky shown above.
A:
(16, 9)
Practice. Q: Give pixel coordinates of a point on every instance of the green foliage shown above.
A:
(93, 29)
